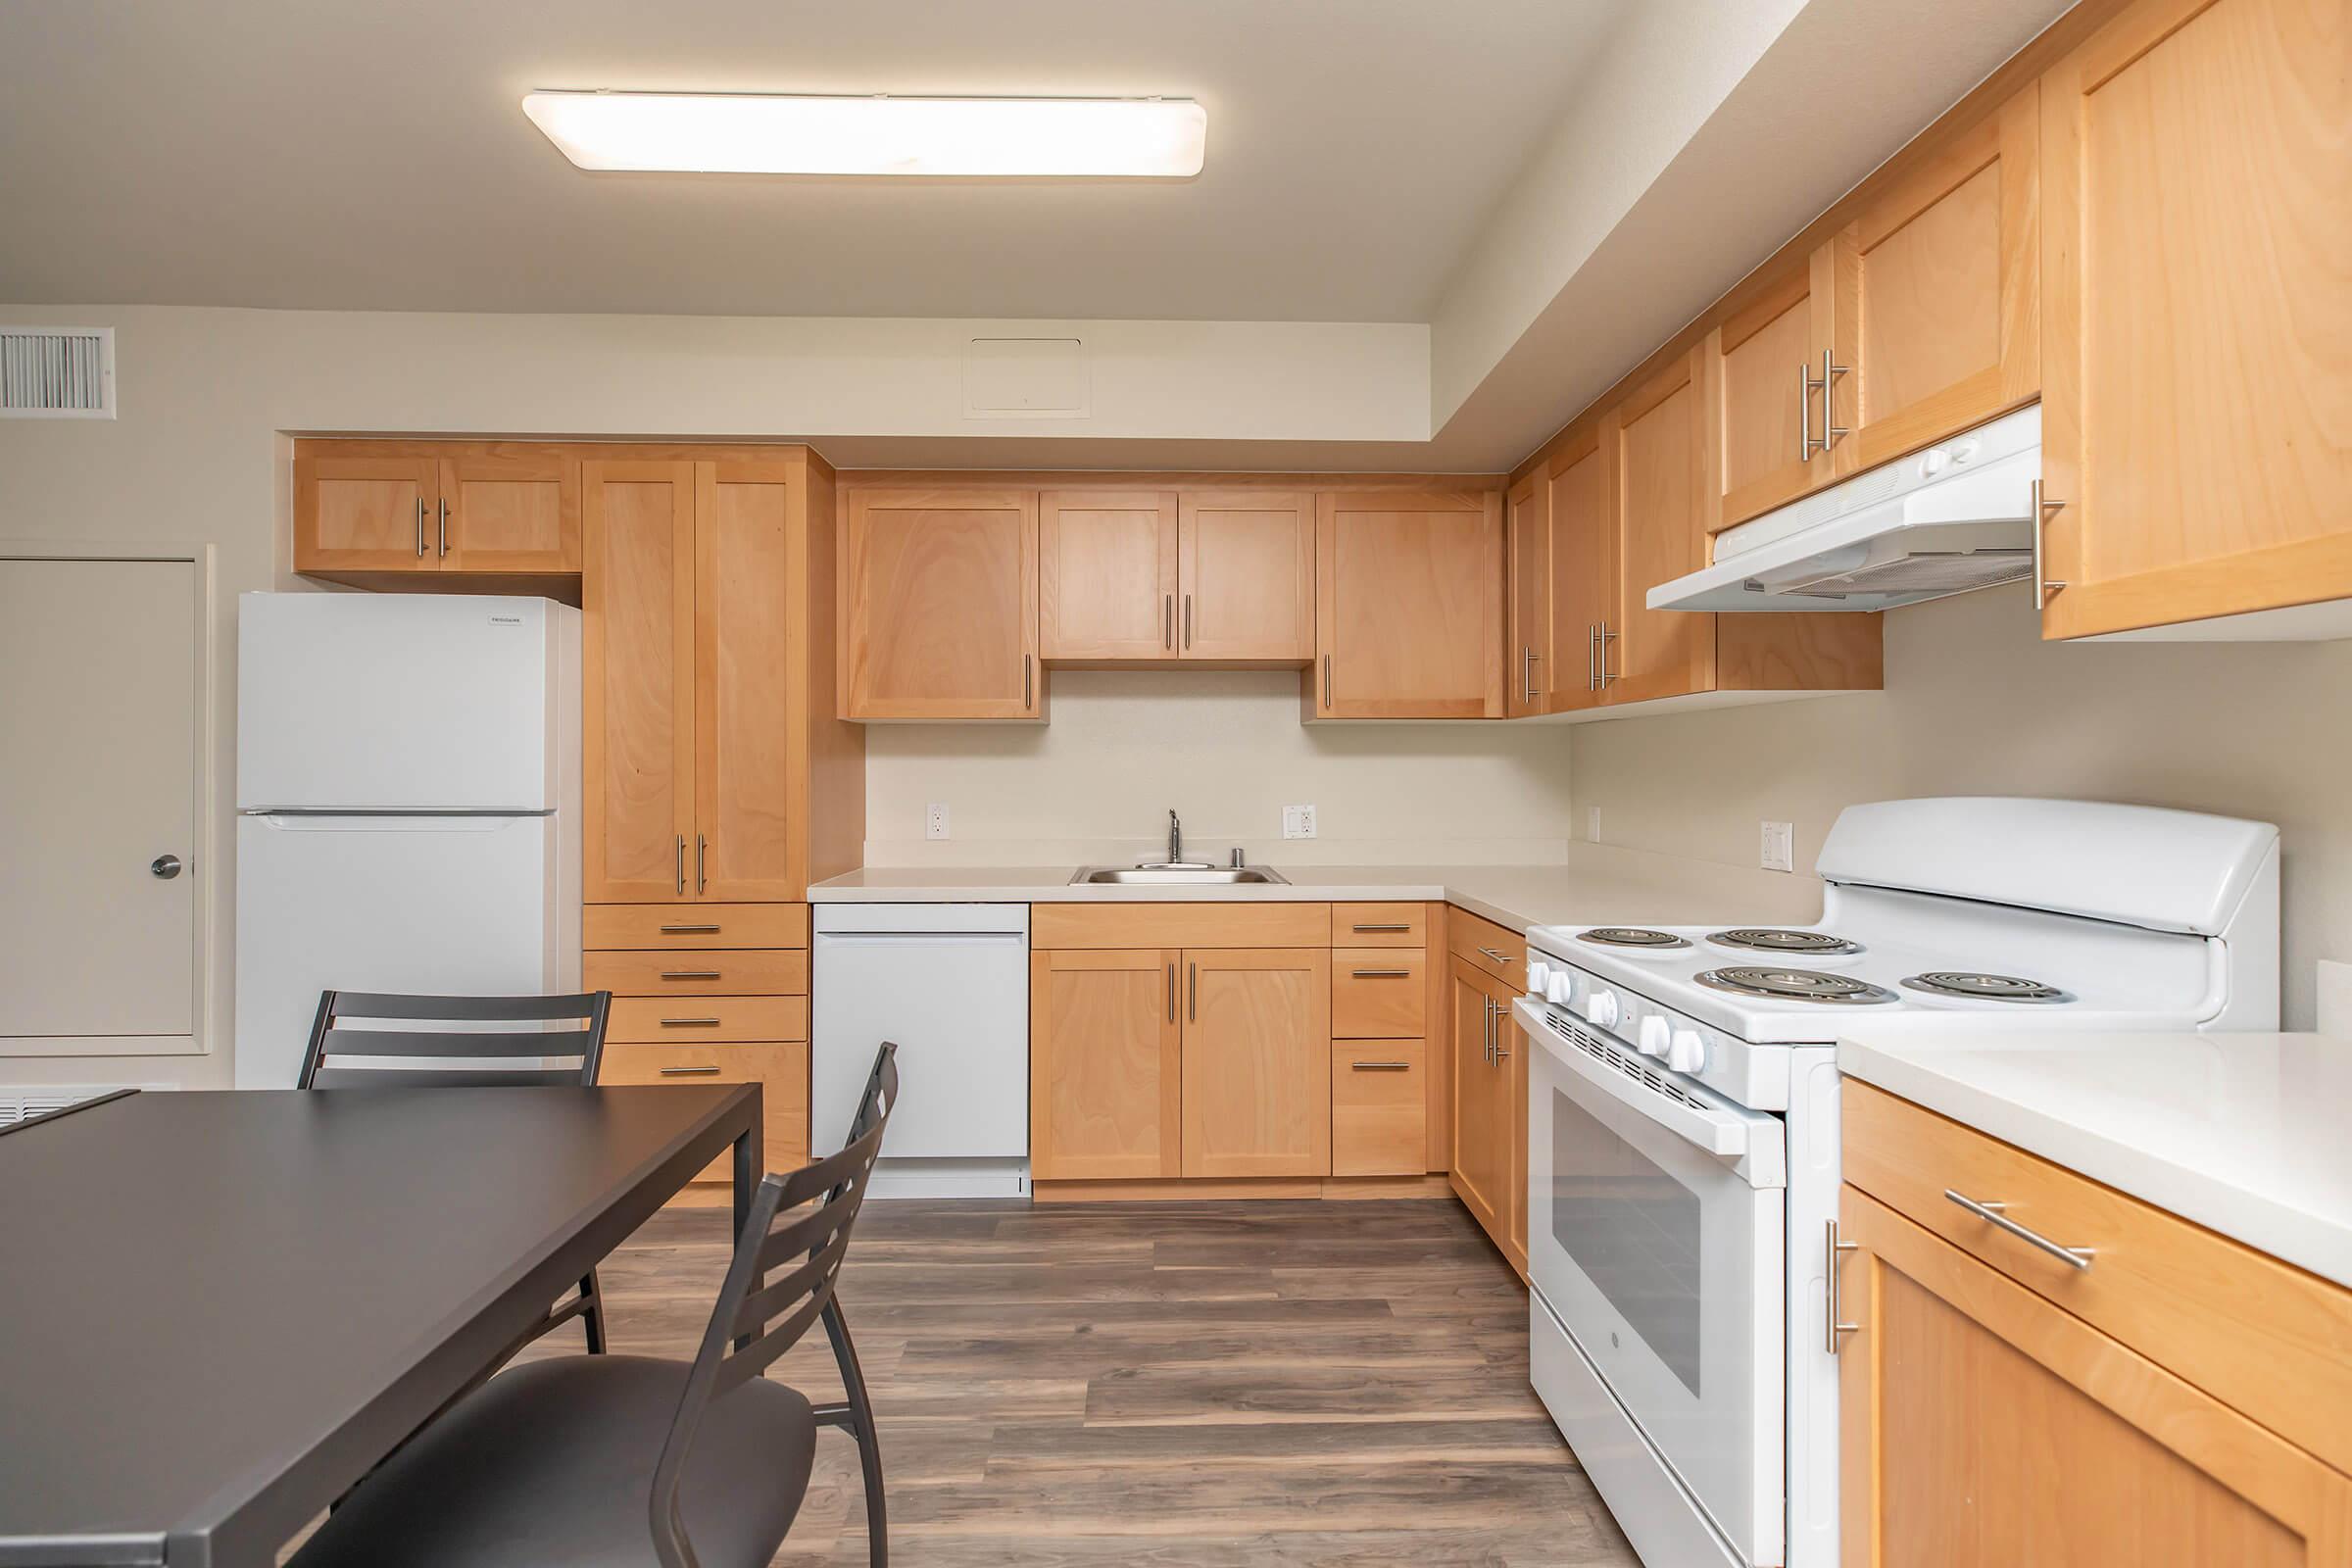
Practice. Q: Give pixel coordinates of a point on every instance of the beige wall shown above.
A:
(1226, 751)
(1976, 704)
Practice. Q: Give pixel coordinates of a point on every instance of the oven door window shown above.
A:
(1635, 1232)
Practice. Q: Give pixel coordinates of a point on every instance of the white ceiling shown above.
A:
(302, 154)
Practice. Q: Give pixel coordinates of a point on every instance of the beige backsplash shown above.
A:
(1976, 704)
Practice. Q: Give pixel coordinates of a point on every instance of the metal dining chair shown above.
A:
(624, 1462)
(443, 1058)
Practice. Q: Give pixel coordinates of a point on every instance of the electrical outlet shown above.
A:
(934, 821)
(1298, 822)
(1778, 852)
(1592, 824)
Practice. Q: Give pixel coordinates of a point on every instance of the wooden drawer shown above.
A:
(1380, 1107)
(640, 1019)
(779, 1067)
(2255, 1333)
(699, 972)
(694, 925)
(1235, 924)
(1484, 945)
(1379, 925)
(1378, 992)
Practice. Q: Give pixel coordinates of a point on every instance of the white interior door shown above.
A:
(97, 779)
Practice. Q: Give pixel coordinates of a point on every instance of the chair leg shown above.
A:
(592, 1314)
(861, 1427)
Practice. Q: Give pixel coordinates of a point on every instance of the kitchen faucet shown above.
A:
(1175, 837)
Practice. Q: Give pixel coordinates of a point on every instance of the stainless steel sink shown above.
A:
(1177, 875)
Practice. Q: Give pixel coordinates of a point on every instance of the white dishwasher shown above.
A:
(949, 983)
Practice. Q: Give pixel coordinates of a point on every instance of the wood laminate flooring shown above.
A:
(1176, 1385)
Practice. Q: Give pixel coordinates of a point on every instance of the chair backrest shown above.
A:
(800, 1223)
(439, 1058)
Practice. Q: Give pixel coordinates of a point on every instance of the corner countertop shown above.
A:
(2243, 1134)
(1597, 883)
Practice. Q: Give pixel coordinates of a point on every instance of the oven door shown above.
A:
(1656, 1235)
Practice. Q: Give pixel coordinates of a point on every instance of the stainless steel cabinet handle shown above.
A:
(690, 1023)
(689, 974)
(1527, 674)
(1993, 1214)
(1171, 992)
(1192, 991)
(1187, 621)
(701, 859)
(711, 929)
(1497, 956)
(1327, 680)
(681, 865)
(690, 1072)
(1028, 692)
(444, 526)
(1829, 1262)
(1804, 411)
(1489, 1004)
(421, 527)
(1168, 623)
(1381, 974)
(1382, 925)
(2044, 588)
(163, 866)
(1382, 1067)
(1592, 659)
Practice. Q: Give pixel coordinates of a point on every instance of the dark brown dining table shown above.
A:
(219, 1310)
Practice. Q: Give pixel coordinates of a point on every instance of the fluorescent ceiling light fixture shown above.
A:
(952, 138)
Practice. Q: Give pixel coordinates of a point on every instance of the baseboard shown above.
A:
(1198, 1189)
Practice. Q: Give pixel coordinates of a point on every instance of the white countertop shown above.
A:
(1598, 883)
(2245, 1133)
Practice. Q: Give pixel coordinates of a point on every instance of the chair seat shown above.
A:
(551, 1465)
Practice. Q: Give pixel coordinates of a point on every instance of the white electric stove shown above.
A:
(1683, 1161)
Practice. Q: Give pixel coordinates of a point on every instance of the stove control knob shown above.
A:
(1654, 1035)
(1688, 1050)
(1538, 973)
(1560, 988)
(1601, 1006)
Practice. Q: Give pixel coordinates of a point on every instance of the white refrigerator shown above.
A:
(409, 804)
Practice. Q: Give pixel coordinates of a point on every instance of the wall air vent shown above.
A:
(57, 372)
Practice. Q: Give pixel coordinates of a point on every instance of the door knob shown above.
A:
(165, 867)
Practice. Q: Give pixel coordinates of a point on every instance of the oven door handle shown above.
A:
(1721, 1133)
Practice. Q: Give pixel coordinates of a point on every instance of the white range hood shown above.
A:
(1956, 517)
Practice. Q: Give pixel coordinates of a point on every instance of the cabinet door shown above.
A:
(1107, 574)
(1247, 573)
(748, 813)
(509, 514)
(2197, 452)
(939, 604)
(1528, 674)
(1937, 294)
(637, 724)
(1482, 1150)
(1583, 564)
(1408, 605)
(1758, 374)
(1982, 1426)
(1657, 441)
(365, 513)
(1256, 1062)
(1105, 1065)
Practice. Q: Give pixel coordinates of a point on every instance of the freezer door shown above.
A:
(459, 906)
(402, 702)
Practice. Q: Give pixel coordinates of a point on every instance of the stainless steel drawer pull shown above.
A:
(1382, 1067)
(690, 1072)
(690, 930)
(690, 1023)
(1383, 926)
(1993, 1214)
(689, 974)
(1383, 974)
(1499, 957)
(1829, 1263)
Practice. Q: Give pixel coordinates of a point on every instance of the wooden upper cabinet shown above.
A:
(1937, 315)
(2196, 449)
(638, 656)
(1408, 605)
(509, 514)
(1247, 575)
(1581, 563)
(1106, 1064)
(1656, 445)
(1107, 574)
(365, 514)
(1759, 376)
(1527, 673)
(1256, 1062)
(939, 604)
(745, 589)
(1981, 1425)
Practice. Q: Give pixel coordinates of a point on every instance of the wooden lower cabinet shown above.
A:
(780, 1069)
(1378, 1108)
(1490, 1138)
(1986, 1426)
(1256, 1062)
(1106, 1064)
